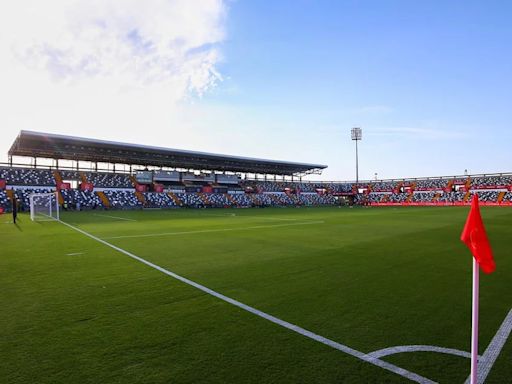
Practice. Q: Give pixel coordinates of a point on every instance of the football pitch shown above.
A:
(274, 295)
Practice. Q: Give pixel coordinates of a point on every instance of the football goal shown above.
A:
(44, 206)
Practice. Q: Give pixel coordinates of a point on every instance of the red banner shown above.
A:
(490, 187)
(62, 186)
(442, 204)
(207, 189)
(3, 183)
(1, 210)
(158, 188)
(87, 187)
(141, 188)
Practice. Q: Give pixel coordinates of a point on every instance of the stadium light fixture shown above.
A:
(357, 134)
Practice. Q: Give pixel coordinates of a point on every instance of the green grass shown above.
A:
(367, 278)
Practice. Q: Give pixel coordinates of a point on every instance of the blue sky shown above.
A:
(428, 82)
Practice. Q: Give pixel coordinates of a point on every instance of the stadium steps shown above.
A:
(385, 198)
(104, 199)
(468, 183)
(449, 186)
(140, 197)
(501, 195)
(204, 198)
(436, 197)
(133, 180)
(466, 197)
(83, 177)
(409, 197)
(57, 176)
(10, 194)
(231, 200)
(175, 198)
(60, 197)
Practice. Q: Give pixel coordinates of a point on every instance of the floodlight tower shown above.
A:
(357, 134)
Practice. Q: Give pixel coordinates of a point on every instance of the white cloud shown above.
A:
(130, 42)
(112, 69)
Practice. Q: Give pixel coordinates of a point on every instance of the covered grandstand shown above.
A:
(170, 178)
(60, 147)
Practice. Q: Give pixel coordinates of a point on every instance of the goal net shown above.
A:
(44, 206)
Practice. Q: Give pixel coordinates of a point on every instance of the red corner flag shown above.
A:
(475, 238)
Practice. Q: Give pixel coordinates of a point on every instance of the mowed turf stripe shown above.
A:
(295, 328)
(215, 230)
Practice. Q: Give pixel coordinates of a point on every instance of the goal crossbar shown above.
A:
(44, 206)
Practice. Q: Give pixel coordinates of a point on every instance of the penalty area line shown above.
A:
(215, 230)
(114, 217)
(295, 328)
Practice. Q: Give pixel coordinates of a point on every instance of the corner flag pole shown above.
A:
(475, 238)
(474, 325)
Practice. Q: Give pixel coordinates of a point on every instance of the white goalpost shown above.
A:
(44, 206)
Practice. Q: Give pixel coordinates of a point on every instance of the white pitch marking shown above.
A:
(115, 217)
(418, 348)
(74, 254)
(214, 230)
(295, 328)
(493, 350)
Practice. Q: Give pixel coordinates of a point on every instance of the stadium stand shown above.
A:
(123, 199)
(491, 181)
(431, 184)
(80, 200)
(70, 175)
(4, 201)
(23, 196)
(384, 186)
(26, 176)
(109, 180)
(158, 200)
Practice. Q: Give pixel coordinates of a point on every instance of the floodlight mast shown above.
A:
(357, 134)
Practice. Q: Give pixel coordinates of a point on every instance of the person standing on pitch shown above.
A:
(14, 210)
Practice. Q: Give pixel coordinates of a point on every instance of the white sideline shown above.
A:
(214, 230)
(304, 332)
(114, 217)
(493, 350)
